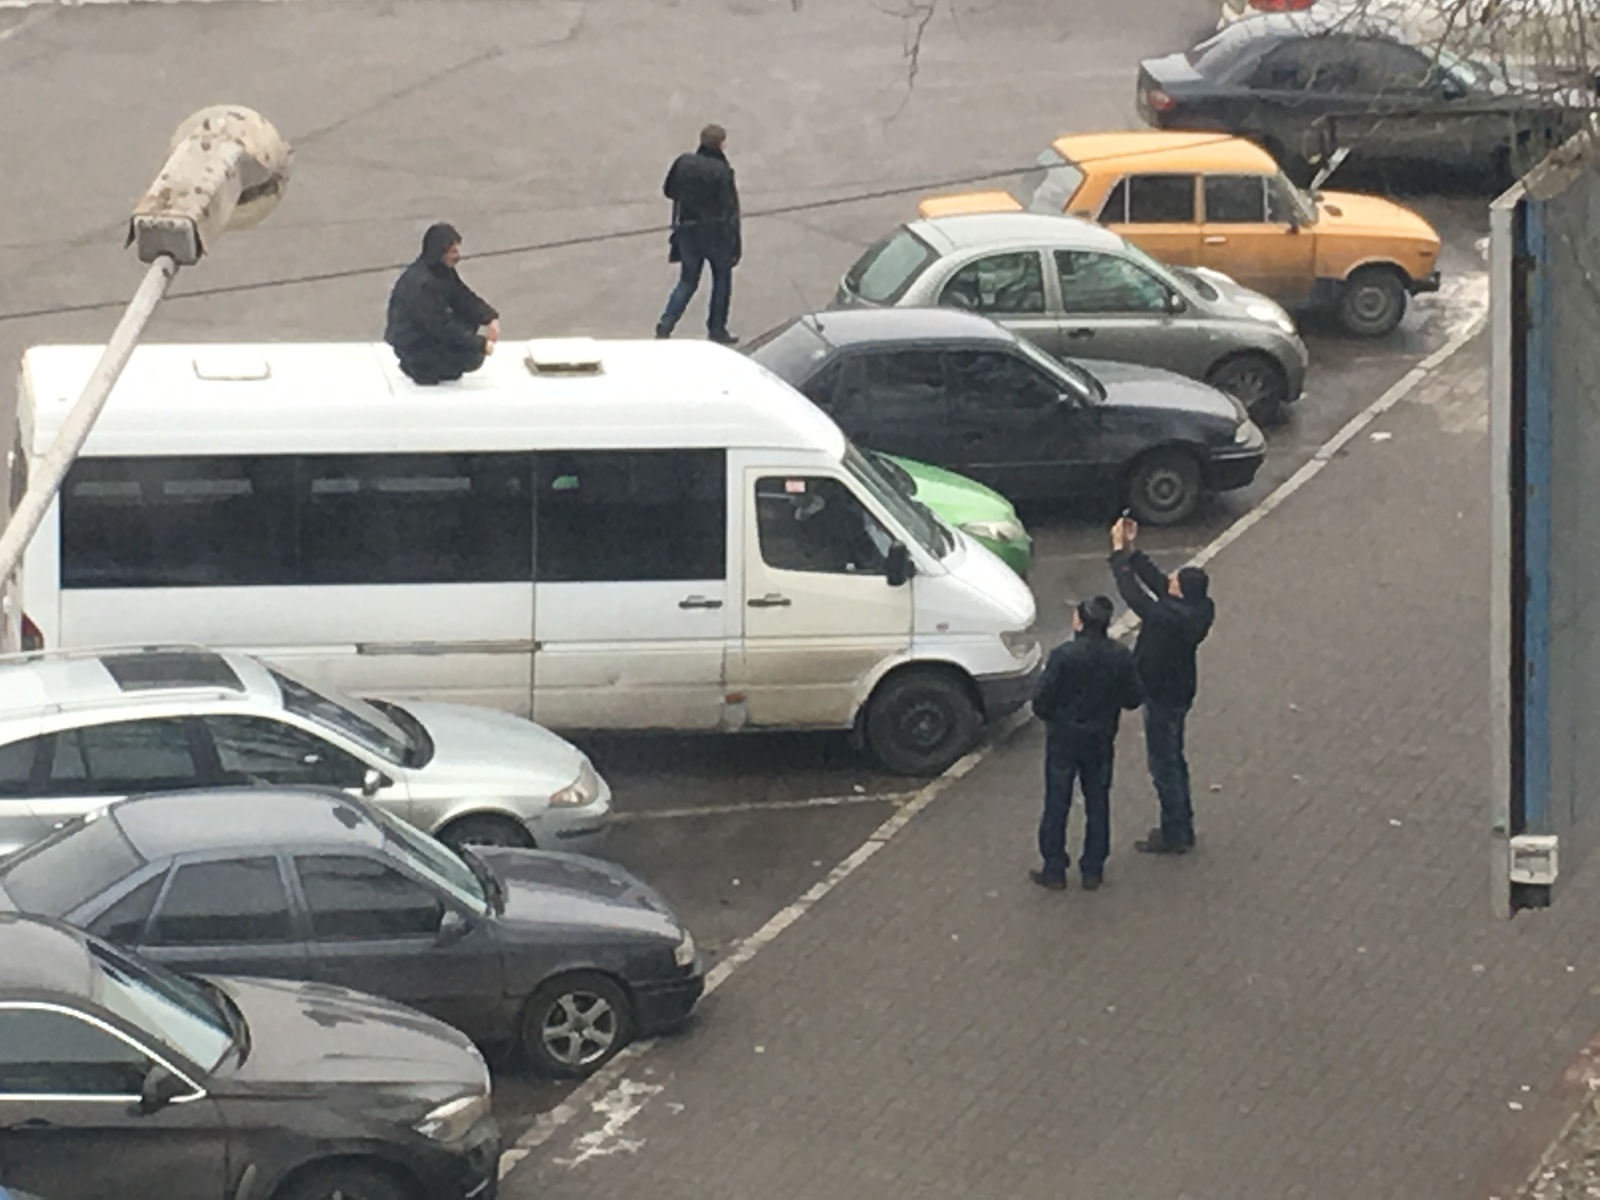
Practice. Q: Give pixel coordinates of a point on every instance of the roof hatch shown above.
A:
(226, 366)
(564, 356)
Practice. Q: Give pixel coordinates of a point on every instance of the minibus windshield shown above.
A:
(913, 515)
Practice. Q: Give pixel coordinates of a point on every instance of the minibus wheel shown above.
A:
(921, 720)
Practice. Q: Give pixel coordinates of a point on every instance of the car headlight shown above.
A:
(580, 791)
(683, 953)
(1004, 530)
(1272, 314)
(1021, 642)
(454, 1119)
(1249, 434)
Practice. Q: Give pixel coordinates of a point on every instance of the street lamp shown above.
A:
(227, 169)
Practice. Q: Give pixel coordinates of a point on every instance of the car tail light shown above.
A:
(1274, 6)
(1160, 101)
(32, 639)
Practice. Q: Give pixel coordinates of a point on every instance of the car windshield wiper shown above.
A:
(494, 891)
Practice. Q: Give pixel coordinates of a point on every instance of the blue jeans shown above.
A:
(1169, 769)
(693, 262)
(1090, 765)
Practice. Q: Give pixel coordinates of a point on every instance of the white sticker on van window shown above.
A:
(794, 486)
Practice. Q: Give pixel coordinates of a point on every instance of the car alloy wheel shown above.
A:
(1256, 382)
(580, 1029)
(575, 1024)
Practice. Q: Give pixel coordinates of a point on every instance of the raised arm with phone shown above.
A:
(1175, 612)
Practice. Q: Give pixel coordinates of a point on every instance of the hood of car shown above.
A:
(955, 497)
(1129, 386)
(310, 1034)
(568, 890)
(968, 202)
(1355, 214)
(482, 747)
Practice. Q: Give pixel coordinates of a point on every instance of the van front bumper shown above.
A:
(1002, 695)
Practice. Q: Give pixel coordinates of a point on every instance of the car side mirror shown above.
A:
(1175, 303)
(160, 1088)
(373, 782)
(453, 926)
(898, 567)
(1451, 88)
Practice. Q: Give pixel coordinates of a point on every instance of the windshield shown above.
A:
(1080, 379)
(433, 860)
(355, 719)
(791, 351)
(83, 858)
(1217, 53)
(166, 1007)
(883, 273)
(913, 515)
(1050, 185)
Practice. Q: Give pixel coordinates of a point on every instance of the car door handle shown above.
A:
(1216, 239)
(1080, 333)
(770, 600)
(699, 602)
(30, 1123)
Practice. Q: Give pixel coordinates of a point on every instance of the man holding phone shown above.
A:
(1175, 613)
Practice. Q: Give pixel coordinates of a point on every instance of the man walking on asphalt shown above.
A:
(1080, 697)
(434, 317)
(1175, 614)
(705, 230)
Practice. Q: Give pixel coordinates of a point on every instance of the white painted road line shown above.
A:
(758, 806)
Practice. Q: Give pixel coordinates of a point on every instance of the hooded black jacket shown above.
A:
(1170, 631)
(705, 205)
(434, 318)
(1085, 686)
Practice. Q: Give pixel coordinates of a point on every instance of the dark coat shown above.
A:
(1170, 631)
(1085, 686)
(434, 317)
(705, 206)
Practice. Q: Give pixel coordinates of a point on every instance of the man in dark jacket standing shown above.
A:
(1175, 614)
(434, 317)
(1080, 698)
(705, 230)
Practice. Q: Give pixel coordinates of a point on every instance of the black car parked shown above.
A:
(1304, 85)
(121, 1079)
(569, 956)
(959, 391)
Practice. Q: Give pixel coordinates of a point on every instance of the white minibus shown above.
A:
(602, 535)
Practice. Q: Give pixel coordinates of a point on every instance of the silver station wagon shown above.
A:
(1078, 290)
(79, 729)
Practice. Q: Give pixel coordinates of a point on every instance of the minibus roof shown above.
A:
(352, 398)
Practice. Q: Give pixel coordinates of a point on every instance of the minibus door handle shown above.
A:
(770, 600)
(698, 602)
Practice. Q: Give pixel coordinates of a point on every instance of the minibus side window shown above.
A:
(631, 516)
(816, 524)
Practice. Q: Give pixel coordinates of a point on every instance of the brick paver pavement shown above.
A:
(1317, 1003)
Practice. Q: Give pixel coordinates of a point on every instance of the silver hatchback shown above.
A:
(79, 729)
(1078, 290)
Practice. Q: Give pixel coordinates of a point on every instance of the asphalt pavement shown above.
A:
(531, 124)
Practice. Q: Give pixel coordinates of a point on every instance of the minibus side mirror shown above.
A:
(898, 567)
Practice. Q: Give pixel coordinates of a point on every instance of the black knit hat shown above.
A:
(1095, 613)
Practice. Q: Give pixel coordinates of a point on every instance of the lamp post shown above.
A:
(227, 169)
